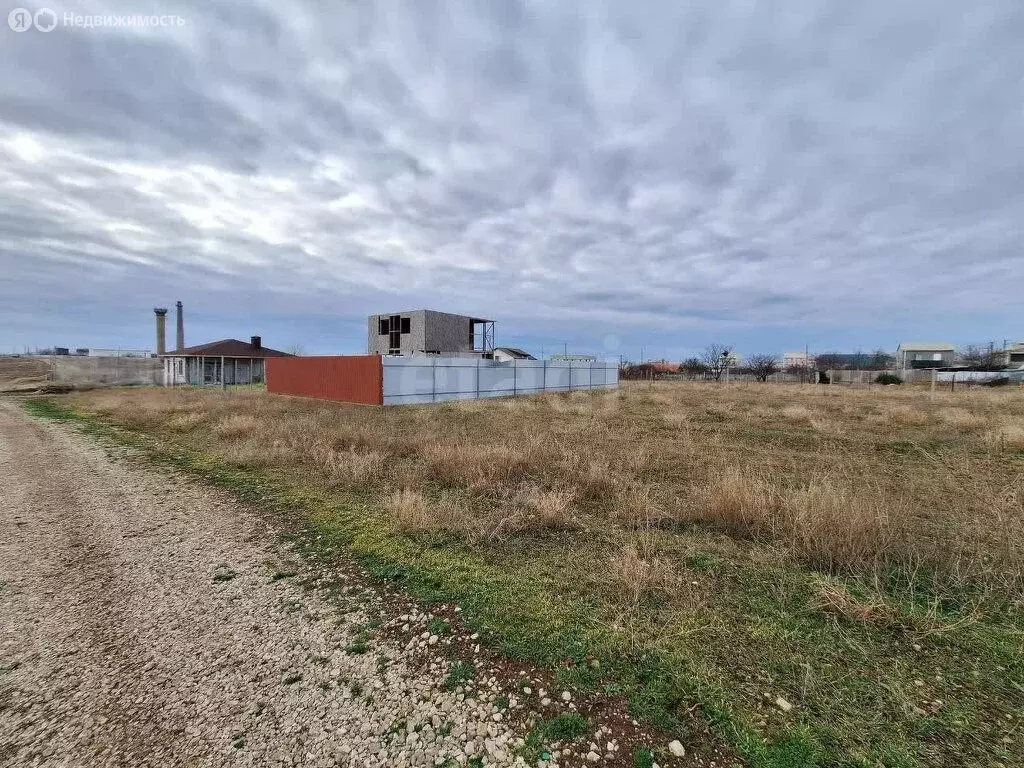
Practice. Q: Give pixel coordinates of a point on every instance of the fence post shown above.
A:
(433, 380)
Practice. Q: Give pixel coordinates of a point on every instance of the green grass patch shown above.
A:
(462, 672)
(751, 627)
(564, 727)
(438, 626)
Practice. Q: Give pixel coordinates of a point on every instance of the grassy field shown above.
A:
(828, 576)
(23, 373)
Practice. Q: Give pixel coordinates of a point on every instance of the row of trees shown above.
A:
(982, 358)
(717, 358)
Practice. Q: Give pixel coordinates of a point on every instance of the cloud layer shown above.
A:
(719, 167)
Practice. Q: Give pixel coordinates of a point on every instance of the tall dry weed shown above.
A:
(825, 521)
(548, 508)
(637, 506)
(236, 425)
(1007, 436)
(411, 512)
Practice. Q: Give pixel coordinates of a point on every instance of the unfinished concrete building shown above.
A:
(426, 332)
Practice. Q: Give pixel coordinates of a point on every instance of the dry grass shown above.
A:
(550, 509)
(23, 373)
(232, 427)
(1007, 436)
(837, 600)
(846, 480)
(638, 574)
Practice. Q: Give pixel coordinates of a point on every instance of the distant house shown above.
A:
(853, 361)
(113, 352)
(228, 361)
(797, 360)
(656, 369)
(663, 366)
(924, 354)
(1012, 356)
(428, 332)
(507, 354)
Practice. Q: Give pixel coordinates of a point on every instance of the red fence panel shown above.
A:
(348, 378)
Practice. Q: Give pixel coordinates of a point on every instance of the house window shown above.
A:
(393, 327)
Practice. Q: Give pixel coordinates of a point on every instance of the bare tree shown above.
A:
(715, 357)
(977, 356)
(762, 366)
(829, 361)
(805, 371)
(880, 360)
(693, 367)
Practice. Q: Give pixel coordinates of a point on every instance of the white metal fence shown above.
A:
(410, 380)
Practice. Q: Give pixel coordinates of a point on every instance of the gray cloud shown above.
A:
(850, 165)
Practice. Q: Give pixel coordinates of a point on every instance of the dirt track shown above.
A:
(141, 623)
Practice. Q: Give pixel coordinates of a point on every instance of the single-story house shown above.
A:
(228, 361)
(924, 354)
(508, 354)
(1012, 356)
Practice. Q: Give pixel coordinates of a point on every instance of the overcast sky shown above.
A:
(602, 175)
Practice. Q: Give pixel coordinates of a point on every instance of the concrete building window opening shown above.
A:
(394, 327)
(481, 336)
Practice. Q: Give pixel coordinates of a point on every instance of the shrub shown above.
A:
(888, 378)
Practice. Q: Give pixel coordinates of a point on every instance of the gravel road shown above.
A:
(148, 620)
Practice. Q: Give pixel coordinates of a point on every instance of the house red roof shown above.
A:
(227, 348)
(663, 367)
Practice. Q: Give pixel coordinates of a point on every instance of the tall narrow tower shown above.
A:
(161, 329)
(181, 327)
